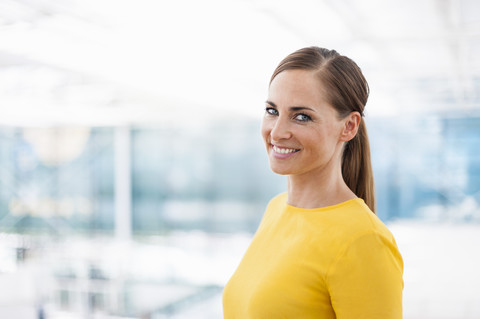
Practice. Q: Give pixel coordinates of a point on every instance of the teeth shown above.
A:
(283, 150)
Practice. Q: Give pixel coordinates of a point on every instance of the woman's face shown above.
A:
(302, 132)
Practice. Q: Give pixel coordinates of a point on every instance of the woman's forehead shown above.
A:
(296, 87)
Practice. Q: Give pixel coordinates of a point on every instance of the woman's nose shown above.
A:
(280, 130)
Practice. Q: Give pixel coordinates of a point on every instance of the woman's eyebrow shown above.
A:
(292, 108)
(301, 108)
(270, 103)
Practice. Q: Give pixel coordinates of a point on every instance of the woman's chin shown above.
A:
(280, 170)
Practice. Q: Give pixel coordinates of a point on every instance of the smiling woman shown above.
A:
(320, 250)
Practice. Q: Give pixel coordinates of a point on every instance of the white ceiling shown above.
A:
(110, 62)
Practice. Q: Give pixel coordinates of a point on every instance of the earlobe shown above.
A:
(352, 122)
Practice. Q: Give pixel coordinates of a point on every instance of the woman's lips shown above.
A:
(283, 152)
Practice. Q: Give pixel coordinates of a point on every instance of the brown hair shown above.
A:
(347, 91)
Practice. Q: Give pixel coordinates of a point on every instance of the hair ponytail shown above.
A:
(357, 168)
(347, 91)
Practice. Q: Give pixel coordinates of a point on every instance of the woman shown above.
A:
(320, 251)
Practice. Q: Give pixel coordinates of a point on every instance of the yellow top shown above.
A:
(333, 262)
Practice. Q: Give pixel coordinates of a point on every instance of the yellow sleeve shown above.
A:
(366, 279)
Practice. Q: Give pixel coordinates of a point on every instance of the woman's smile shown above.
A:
(283, 152)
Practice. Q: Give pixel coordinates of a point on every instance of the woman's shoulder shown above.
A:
(279, 201)
(280, 198)
(361, 232)
(356, 220)
(274, 207)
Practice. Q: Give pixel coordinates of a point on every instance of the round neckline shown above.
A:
(322, 209)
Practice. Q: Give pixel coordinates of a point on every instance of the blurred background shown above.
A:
(133, 175)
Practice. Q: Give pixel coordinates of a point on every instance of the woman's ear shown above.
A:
(350, 127)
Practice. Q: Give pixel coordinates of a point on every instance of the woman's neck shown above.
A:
(318, 190)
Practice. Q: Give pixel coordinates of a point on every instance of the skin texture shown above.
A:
(298, 117)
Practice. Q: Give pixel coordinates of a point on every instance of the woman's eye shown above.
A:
(303, 118)
(271, 111)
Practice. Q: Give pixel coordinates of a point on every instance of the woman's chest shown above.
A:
(282, 276)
